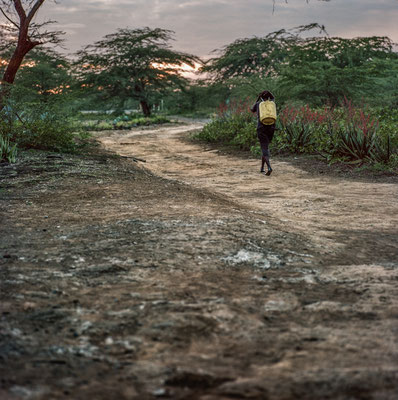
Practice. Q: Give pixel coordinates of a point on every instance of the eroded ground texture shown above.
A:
(193, 276)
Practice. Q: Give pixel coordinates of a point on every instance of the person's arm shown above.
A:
(254, 108)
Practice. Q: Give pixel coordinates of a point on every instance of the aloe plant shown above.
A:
(357, 138)
(8, 152)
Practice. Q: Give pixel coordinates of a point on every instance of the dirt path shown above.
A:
(201, 279)
(358, 218)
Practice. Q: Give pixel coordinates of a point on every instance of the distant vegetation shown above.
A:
(102, 122)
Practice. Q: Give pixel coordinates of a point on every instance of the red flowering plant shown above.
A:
(234, 124)
(357, 135)
(346, 133)
(300, 126)
(235, 108)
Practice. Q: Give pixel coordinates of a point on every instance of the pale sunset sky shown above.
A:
(204, 25)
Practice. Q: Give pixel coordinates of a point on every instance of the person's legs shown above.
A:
(262, 164)
(268, 165)
(265, 156)
(270, 134)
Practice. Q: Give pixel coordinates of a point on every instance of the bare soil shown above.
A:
(193, 276)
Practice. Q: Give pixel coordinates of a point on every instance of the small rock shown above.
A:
(159, 392)
(109, 341)
(28, 306)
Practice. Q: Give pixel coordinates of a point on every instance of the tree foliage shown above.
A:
(328, 69)
(133, 64)
(260, 56)
(44, 75)
(317, 69)
(19, 35)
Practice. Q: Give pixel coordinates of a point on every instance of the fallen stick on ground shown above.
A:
(134, 158)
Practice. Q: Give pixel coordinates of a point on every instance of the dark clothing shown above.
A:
(260, 125)
(264, 143)
(255, 109)
(265, 133)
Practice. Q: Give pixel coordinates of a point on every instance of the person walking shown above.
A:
(265, 133)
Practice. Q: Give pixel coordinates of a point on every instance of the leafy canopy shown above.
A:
(133, 63)
(314, 69)
(262, 56)
(328, 69)
(44, 74)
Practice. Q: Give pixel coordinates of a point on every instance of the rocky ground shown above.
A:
(193, 277)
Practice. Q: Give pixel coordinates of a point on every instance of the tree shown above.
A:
(330, 68)
(133, 64)
(316, 69)
(44, 76)
(262, 56)
(20, 30)
(199, 98)
(245, 57)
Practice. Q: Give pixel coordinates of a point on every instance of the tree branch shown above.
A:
(8, 18)
(34, 9)
(20, 10)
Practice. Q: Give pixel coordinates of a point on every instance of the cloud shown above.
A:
(72, 28)
(202, 26)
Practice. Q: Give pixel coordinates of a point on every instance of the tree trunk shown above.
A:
(24, 45)
(139, 89)
(16, 61)
(145, 108)
(12, 69)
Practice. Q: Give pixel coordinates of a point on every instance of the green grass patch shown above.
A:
(118, 123)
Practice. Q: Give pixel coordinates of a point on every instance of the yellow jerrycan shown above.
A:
(267, 110)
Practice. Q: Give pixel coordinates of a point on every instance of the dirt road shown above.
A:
(193, 276)
(359, 219)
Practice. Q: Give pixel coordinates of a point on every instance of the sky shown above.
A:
(202, 26)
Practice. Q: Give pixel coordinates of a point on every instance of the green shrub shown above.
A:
(146, 121)
(245, 136)
(44, 126)
(103, 126)
(8, 151)
(233, 124)
(120, 122)
(358, 137)
(345, 133)
(48, 130)
(121, 125)
(215, 131)
(387, 131)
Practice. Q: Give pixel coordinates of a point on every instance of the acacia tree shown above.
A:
(315, 69)
(262, 56)
(132, 64)
(328, 69)
(46, 76)
(22, 34)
